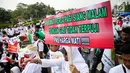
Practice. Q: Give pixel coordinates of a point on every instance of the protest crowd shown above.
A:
(23, 50)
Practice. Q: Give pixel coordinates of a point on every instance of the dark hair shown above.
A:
(29, 27)
(119, 18)
(126, 30)
(4, 32)
(1, 44)
(36, 34)
(63, 51)
(125, 49)
(37, 26)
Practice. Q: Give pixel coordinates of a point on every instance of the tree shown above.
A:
(34, 11)
(23, 11)
(5, 15)
(127, 7)
(51, 10)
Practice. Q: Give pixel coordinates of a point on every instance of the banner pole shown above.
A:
(70, 55)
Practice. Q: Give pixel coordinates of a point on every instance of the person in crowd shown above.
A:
(97, 59)
(108, 60)
(39, 43)
(125, 67)
(16, 31)
(78, 60)
(61, 62)
(6, 30)
(33, 28)
(30, 34)
(87, 54)
(54, 53)
(1, 49)
(7, 64)
(23, 31)
(120, 21)
(5, 39)
(40, 32)
(29, 51)
(14, 59)
(125, 38)
(10, 32)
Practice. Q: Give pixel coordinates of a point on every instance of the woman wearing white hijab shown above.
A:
(79, 64)
(29, 52)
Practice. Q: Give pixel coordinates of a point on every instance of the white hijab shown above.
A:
(78, 60)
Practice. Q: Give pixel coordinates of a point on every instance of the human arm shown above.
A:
(47, 62)
(41, 49)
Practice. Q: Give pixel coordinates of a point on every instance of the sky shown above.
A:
(57, 4)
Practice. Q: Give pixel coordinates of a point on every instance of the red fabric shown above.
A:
(25, 38)
(8, 59)
(25, 57)
(120, 22)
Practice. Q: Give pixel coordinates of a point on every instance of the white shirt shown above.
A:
(119, 69)
(16, 30)
(11, 32)
(56, 55)
(23, 31)
(107, 60)
(36, 68)
(32, 68)
(64, 66)
(39, 45)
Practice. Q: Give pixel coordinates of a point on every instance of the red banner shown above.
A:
(13, 47)
(85, 27)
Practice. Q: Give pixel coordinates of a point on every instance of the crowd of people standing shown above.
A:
(38, 57)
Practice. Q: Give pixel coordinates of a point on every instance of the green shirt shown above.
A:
(30, 36)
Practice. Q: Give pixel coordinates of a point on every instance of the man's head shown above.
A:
(126, 55)
(119, 18)
(36, 36)
(29, 27)
(125, 34)
(37, 27)
(54, 48)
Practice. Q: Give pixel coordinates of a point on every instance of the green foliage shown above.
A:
(36, 11)
(36, 21)
(127, 7)
(5, 25)
(5, 15)
(28, 23)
